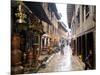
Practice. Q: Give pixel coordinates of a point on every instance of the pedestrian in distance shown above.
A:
(62, 51)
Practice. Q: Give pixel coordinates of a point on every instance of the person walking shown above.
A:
(89, 60)
(62, 51)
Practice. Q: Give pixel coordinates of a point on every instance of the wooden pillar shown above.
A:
(75, 50)
(94, 50)
(77, 45)
(86, 44)
(81, 47)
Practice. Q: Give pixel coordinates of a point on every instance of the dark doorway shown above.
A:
(90, 42)
(80, 43)
(83, 48)
(90, 46)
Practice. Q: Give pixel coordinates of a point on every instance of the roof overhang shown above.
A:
(37, 9)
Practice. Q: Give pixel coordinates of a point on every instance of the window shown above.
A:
(36, 39)
(49, 9)
(52, 16)
(87, 11)
(78, 16)
(94, 13)
(82, 13)
(48, 28)
(94, 9)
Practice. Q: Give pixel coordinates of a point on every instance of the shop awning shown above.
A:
(63, 26)
(37, 9)
(54, 9)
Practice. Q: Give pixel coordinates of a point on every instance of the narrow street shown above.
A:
(51, 37)
(62, 63)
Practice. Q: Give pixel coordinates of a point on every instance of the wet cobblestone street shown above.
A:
(63, 63)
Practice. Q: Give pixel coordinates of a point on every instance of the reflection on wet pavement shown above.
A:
(62, 63)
